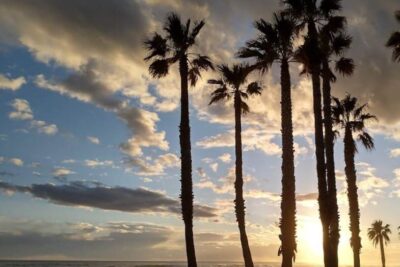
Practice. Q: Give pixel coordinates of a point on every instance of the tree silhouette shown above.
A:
(310, 14)
(275, 44)
(379, 234)
(230, 85)
(333, 43)
(394, 41)
(352, 118)
(164, 52)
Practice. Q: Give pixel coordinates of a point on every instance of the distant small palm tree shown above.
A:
(275, 44)
(379, 234)
(352, 118)
(230, 85)
(394, 41)
(164, 52)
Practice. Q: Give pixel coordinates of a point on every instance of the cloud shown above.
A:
(11, 84)
(16, 161)
(22, 110)
(98, 163)
(123, 199)
(155, 167)
(62, 172)
(93, 140)
(85, 86)
(225, 158)
(395, 152)
(252, 138)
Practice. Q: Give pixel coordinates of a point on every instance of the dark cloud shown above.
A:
(120, 242)
(107, 198)
(104, 27)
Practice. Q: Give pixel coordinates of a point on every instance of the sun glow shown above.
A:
(310, 240)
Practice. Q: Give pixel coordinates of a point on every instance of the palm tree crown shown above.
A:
(347, 114)
(230, 84)
(394, 41)
(165, 51)
(274, 43)
(377, 231)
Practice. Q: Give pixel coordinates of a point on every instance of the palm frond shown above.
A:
(198, 25)
(397, 15)
(327, 7)
(157, 46)
(245, 108)
(193, 75)
(340, 43)
(345, 66)
(159, 68)
(254, 88)
(219, 94)
(176, 31)
(335, 24)
(366, 140)
(213, 81)
(394, 43)
(202, 63)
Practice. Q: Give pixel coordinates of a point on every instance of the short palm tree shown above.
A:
(310, 14)
(275, 44)
(230, 85)
(164, 52)
(394, 41)
(379, 234)
(352, 118)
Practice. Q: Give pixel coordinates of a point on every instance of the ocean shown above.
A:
(118, 264)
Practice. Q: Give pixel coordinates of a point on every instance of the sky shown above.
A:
(89, 148)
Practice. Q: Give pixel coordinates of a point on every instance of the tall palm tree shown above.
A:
(352, 118)
(379, 234)
(394, 41)
(333, 43)
(230, 85)
(310, 14)
(165, 51)
(275, 44)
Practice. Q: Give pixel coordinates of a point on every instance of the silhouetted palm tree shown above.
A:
(311, 13)
(333, 43)
(352, 118)
(232, 79)
(380, 234)
(275, 44)
(394, 41)
(164, 52)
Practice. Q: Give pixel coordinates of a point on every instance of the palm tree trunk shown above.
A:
(288, 204)
(351, 178)
(239, 200)
(330, 167)
(382, 251)
(186, 165)
(319, 137)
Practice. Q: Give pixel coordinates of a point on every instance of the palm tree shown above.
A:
(394, 41)
(380, 234)
(309, 13)
(352, 118)
(333, 42)
(275, 44)
(164, 52)
(230, 85)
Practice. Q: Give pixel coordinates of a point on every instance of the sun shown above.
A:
(309, 239)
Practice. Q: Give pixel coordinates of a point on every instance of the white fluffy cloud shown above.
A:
(16, 161)
(93, 140)
(395, 152)
(61, 172)
(11, 84)
(98, 163)
(23, 111)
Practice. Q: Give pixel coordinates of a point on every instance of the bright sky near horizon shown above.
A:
(89, 150)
